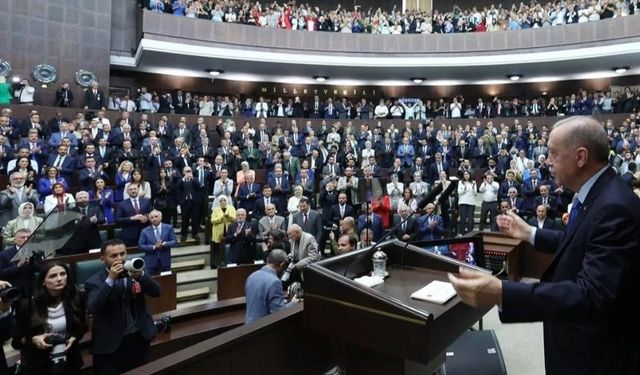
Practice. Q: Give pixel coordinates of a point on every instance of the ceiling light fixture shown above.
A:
(418, 80)
(620, 69)
(514, 77)
(214, 72)
(15, 79)
(544, 93)
(320, 78)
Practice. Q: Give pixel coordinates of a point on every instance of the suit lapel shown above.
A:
(595, 191)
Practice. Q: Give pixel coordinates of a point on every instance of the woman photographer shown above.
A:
(49, 326)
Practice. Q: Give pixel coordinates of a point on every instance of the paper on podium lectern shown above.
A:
(436, 292)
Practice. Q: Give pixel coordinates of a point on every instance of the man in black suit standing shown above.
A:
(122, 325)
(132, 216)
(190, 198)
(586, 297)
(541, 221)
(94, 98)
(407, 231)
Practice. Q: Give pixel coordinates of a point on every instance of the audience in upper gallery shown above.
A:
(293, 16)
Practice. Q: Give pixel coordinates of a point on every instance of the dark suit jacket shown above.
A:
(94, 101)
(131, 229)
(411, 228)
(9, 270)
(247, 202)
(375, 225)
(547, 224)
(314, 223)
(259, 208)
(106, 305)
(586, 296)
(86, 235)
(242, 246)
(334, 211)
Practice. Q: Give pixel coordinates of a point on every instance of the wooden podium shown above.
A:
(382, 327)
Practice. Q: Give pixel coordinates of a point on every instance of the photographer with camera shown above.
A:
(49, 326)
(24, 93)
(122, 326)
(264, 288)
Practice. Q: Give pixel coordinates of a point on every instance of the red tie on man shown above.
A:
(136, 208)
(304, 220)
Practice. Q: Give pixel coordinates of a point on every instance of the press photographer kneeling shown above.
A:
(48, 327)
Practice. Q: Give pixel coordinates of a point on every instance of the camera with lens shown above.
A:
(10, 295)
(163, 324)
(56, 339)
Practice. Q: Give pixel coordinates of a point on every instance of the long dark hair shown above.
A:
(70, 297)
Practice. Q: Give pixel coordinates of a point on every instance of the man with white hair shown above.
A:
(304, 248)
(13, 196)
(241, 236)
(270, 221)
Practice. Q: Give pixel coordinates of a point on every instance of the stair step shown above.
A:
(183, 305)
(187, 265)
(190, 277)
(191, 294)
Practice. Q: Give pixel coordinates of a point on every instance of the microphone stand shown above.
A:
(423, 202)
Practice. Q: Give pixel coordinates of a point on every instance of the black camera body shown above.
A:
(56, 339)
(10, 295)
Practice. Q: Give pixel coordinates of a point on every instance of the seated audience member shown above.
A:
(11, 271)
(222, 215)
(103, 197)
(86, 235)
(45, 183)
(430, 225)
(347, 243)
(59, 199)
(541, 220)
(122, 326)
(156, 241)
(56, 308)
(131, 214)
(25, 220)
(263, 288)
(241, 236)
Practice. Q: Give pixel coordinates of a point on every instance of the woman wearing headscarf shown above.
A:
(25, 220)
(59, 198)
(222, 215)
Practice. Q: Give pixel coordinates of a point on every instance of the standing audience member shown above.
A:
(467, 191)
(222, 215)
(13, 196)
(132, 216)
(122, 327)
(489, 190)
(12, 270)
(86, 235)
(57, 308)
(241, 236)
(156, 241)
(264, 288)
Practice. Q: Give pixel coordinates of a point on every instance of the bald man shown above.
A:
(304, 248)
(586, 297)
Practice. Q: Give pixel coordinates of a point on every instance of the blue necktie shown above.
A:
(573, 215)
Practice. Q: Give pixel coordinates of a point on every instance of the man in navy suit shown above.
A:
(156, 241)
(86, 235)
(516, 204)
(248, 192)
(64, 162)
(408, 230)
(371, 220)
(586, 297)
(132, 216)
(122, 325)
(431, 225)
(341, 210)
(279, 183)
(241, 236)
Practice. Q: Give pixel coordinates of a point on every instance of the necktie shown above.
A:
(58, 162)
(157, 233)
(278, 182)
(534, 183)
(304, 221)
(404, 227)
(573, 215)
(342, 211)
(83, 210)
(136, 208)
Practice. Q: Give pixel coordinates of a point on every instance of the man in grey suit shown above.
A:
(309, 220)
(304, 249)
(13, 196)
(270, 221)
